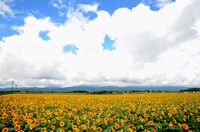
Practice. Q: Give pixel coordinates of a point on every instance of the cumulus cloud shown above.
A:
(60, 5)
(151, 47)
(88, 8)
(162, 3)
(5, 10)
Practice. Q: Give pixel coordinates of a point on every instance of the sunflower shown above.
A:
(5, 129)
(29, 121)
(150, 123)
(15, 120)
(53, 121)
(36, 123)
(17, 127)
(77, 130)
(98, 120)
(114, 118)
(185, 126)
(99, 129)
(62, 123)
(106, 118)
(43, 120)
(94, 128)
(112, 130)
(130, 130)
(53, 127)
(179, 124)
(61, 130)
(87, 125)
(74, 127)
(4, 115)
(131, 126)
(169, 114)
(21, 117)
(78, 122)
(146, 130)
(171, 125)
(116, 126)
(4, 110)
(174, 120)
(44, 129)
(83, 127)
(31, 126)
(31, 115)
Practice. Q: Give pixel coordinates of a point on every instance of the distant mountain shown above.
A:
(98, 88)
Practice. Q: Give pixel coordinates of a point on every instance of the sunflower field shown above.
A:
(148, 112)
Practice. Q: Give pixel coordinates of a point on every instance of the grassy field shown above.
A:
(113, 112)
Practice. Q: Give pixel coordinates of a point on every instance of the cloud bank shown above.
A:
(5, 10)
(151, 48)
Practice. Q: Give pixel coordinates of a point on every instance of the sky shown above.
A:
(99, 42)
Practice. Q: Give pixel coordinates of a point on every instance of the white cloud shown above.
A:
(151, 48)
(58, 4)
(88, 8)
(5, 10)
(162, 3)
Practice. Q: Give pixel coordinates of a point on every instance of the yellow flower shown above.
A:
(61, 130)
(169, 114)
(36, 123)
(94, 128)
(74, 127)
(15, 120)
(179, 125)
(98, 120)
(29, 121)
(116, 126)
(31, 115)
(53, 121)
(99, 129)
(106, 118)
(53, 127)
(78, 122)
(150, 123)
(77, 130)
(22, 117)
(4, 115)
(5, 129)
(174, 120)
(83, 127)
(171, 125)
(130, 130)
(43, 120)
(44, 129)
(112, 130)
(31, 126)
(185, 126)
(62, 123)
(17, 127)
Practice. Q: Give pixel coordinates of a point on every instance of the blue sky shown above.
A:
(54, 8)
(45, 8)
(99, 42)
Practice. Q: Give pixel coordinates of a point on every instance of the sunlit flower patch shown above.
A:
(87, 112)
